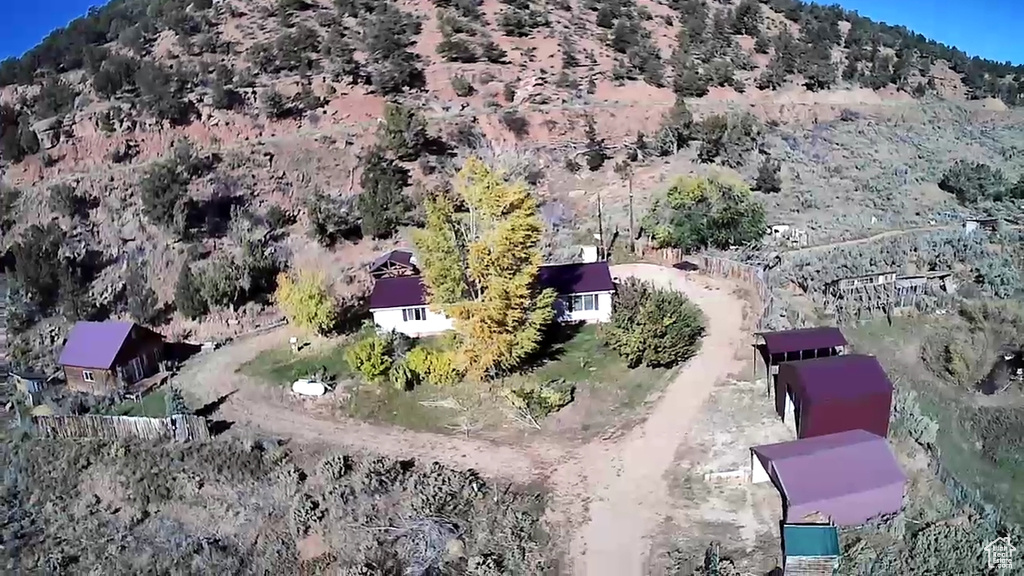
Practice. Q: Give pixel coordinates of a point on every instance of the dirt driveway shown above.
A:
(610, 494)
(626, 480)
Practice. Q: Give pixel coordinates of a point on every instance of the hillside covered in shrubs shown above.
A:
(252, 508)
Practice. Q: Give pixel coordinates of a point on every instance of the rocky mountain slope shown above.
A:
(173, 155)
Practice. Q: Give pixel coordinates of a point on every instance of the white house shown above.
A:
(398, 302)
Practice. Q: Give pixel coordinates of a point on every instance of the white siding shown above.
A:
(757, 472)
(603, 313)
(392, 319)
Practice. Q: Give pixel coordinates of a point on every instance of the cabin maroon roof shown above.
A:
(576, 278)
(802, 339)
(565, 279)
(402, 257)
(400, 292)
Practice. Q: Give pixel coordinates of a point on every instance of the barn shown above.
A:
(835, 394)
(848, 477)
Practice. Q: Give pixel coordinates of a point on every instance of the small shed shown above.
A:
(810, 549)
(988, 224)
(28, 382)
(774, 348)
(849, 477)
(835, 394)
(106, 357)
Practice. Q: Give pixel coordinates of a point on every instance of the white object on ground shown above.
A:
(308, 387)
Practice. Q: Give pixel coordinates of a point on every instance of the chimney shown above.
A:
(589, 254)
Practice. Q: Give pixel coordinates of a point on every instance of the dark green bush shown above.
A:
(971, 182)
(331, 219)
(404, 131)
(66, 201)
(728, 138)
(188, 298)
(462, 87)
(654, 326)
(768, 179)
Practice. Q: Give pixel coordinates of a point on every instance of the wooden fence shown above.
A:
(753, 276)
(179, 428)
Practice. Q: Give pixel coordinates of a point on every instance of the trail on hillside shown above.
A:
(611, 494)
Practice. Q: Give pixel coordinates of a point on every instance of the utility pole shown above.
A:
(632, 235)
(625, 171)
(600, 228)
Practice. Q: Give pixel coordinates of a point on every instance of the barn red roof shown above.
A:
(839, 377)
(802, 339)
(565, 279)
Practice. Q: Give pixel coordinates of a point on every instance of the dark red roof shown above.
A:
(803, 339)
(576, 278)
(839, 377)
(563, 278)
(400, 292)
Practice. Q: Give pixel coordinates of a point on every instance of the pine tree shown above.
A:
(688, 81)
(787, 52)
(761, 44)
(140, 297)
(748, 19)
(188, 297)
(595, 152)
(175, 403)
(768, 179)
(481, 268)
(404, 131)
(382, 205)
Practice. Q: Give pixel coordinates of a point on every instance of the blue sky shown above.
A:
(987, 28)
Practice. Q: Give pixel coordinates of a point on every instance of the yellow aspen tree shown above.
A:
(306, 300)
(480, 269)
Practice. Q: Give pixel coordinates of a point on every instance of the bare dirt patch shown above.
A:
(744, 516)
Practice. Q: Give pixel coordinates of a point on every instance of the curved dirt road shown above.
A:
(627, 481)
(214, 376)
(610, 495)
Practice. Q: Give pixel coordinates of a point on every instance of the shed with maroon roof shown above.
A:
(106, 357)
(836, 394)
(774, 348)
(848, 477)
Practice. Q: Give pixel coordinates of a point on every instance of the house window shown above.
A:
(583, 303)
(414, 314)
(87, 376)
